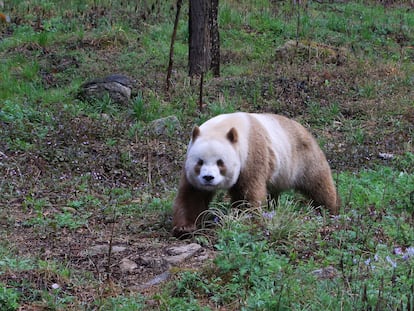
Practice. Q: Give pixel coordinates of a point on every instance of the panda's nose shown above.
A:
(208, 177)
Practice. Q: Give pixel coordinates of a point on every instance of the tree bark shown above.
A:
(199, 36)
(204, 43)
(215, 39)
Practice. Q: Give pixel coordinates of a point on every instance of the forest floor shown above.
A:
(77, 177)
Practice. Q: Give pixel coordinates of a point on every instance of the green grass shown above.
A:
(76, 174)
(370, 250)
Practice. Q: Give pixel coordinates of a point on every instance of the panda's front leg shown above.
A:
(253, 191)
(188, 205)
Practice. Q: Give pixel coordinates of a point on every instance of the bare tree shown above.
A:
(204, 42)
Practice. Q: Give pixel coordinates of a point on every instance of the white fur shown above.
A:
(210, 152)
(281, 146)
(217, 128)
(213, 145)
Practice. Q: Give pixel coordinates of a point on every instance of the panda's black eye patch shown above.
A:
(220, 163)
(200, 162)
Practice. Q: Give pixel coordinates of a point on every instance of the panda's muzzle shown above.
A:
(208, 178)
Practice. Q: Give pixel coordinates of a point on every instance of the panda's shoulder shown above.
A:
(222, 123)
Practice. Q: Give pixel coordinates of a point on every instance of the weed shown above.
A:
(284, 223)
(263, 258)
(377, 189)
(405, 163)
(123, 303)
(320, 116)
(104, 105)
(9, 298)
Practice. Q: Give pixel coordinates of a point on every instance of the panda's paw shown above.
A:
(183, 232)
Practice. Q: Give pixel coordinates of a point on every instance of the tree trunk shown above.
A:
(204, 45)
(199, 36)
(215, 39)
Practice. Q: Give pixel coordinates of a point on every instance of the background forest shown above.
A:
(87, 183)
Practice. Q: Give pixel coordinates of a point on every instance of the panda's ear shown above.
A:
(232, 135)
(196, 133)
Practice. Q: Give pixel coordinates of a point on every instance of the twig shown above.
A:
(108, 266)
(149, 159)
(200, 98)
(174, 34)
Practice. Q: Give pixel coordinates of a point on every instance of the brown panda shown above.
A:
(250, 155)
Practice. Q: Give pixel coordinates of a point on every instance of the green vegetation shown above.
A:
(360, 260)
(77, 175)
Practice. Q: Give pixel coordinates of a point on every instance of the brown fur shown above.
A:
(251, 185)
(306, 171)
(316, 182)
(189, 203)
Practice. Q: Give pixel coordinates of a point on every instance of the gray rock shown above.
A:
(180, 253)
(102, 249)
(117, 87)
(153, 262)
(385, 156)
(127, 265)
(326, 273)
(165, 125)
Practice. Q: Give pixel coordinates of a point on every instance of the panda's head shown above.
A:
(212, 162)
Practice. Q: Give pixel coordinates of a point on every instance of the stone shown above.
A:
(326, 273)
(180, 253)
(385, 156)
(102, 249)
(118, 87)
(165, 126)
(305, 50)
(153, 262)
(127, 265)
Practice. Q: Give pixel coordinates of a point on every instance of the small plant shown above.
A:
(284, 222)
(103, 105)
(9, 298)
(122, 303)
(367, 91)
(321, 116)
(138, 107)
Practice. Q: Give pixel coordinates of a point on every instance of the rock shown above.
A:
(117, 87)
(153, 262)
(180, 253)
(166, 125)
(385, 156)
(155, 281)
(55, 286)
(102, 249)
(306, 50)
(127, 265)
(328, 272)
(181, 249)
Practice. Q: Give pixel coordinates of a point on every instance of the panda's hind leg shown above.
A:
(321, 190)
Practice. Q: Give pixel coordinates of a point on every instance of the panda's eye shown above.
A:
(220, 163)
(200, 162)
